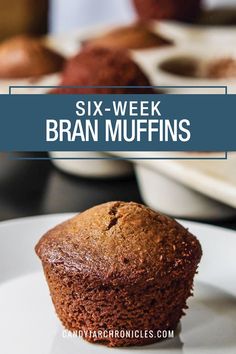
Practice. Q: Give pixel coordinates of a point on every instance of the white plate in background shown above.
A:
(194, 189)
(29, 325)
(182, 32)
(46, 80)
(151, 61)
(90, 164)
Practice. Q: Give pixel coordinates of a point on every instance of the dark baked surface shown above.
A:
(221, 68)
(103, 67)
(135, 36)
(182, 66)
(183, 10)
(218, 16)
(119, 266)
(117, 240)
(24, 57)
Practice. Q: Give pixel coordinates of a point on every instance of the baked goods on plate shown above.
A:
(120, 266)
(134, 36)
(97, 66)
(26, 57)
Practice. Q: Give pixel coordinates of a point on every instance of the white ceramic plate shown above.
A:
(182, 32)
(90, 168)
(200, 189)
(151, 62)
(28, 324)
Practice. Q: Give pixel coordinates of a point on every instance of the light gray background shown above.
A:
(66, 15)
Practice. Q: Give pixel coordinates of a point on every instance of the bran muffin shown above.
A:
(119, 266)
(182, 10)
(97, 66)
(224, 68)
(24, 57)
(135, 36)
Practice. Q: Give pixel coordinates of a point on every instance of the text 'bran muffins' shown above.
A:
(119, 266)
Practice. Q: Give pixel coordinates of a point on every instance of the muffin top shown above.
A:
(97, 66)
(224, 68)
(136, 36)
(121, 242)
(24, 57)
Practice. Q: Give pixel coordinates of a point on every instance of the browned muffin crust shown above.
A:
(119, 266)
(224, 68)
(24, 57)
(183, 10)
(135, 36)
(103, 67)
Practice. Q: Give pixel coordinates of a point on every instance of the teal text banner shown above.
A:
(154, 122)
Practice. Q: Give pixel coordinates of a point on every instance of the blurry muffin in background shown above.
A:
(135, 36)
(220, 16)
(224, 68)
(95, 66)
(24, 57)
(182, 10)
